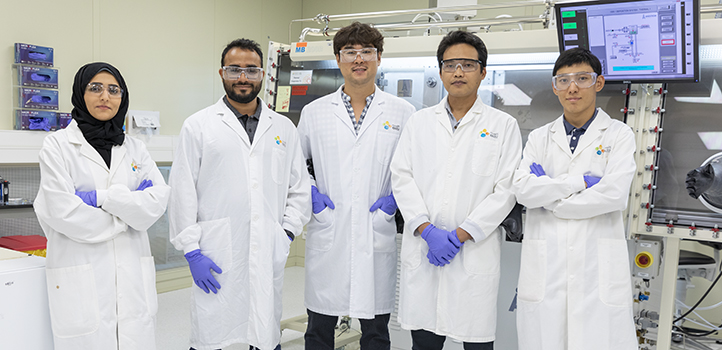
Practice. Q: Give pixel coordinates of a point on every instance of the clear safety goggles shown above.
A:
(582, 79)
(114, 91)
(349, 55)
(467, 65)
(234, 73)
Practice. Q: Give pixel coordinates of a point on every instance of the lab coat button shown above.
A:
(449, 175)
(255, 185)
(255, 217)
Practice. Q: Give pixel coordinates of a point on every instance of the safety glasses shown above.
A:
(234, 73)
(467, 65)
(582, 79)
(114, 91)
(349, 55)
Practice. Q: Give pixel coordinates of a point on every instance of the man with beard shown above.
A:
(240, 194)
(349, 137)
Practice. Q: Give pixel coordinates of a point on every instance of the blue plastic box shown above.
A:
(38, 98)
(32, 54)
(35, 120)
(38, 77)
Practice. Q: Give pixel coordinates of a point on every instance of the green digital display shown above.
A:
(572, 25)
(567, 14)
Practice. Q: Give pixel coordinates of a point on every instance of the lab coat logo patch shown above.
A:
(278, 141)
(134, 166)
(601, 150)
(389, 126)
(485, 133)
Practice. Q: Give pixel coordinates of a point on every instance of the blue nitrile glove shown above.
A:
(433, 260)
(537, 169)
(201, 270)
(39, 124)
(89, 198)
(440, 243)
(386, 204)
(41, 99)
(145, 184)
(320, 201)
(591, 180)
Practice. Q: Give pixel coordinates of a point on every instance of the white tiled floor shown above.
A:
(173, 322)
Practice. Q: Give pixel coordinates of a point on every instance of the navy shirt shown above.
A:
(574, 133)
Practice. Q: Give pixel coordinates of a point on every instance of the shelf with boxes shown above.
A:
(36, 90)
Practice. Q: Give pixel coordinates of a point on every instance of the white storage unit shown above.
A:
(24, 312)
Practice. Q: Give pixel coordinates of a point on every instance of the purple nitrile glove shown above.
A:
(440, 243)
(145, 184)
(39, 124)
(590, 180)
(537, 169)
(201, 266)
(386, 204)
(433, 260)
(89, 198)
(320, 201)
(41, 99)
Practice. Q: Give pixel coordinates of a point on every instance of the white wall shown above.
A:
(168, 50)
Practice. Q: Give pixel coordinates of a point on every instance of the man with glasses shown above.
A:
(240, 194)
(451, 175)
(574, 285)
(348, 138)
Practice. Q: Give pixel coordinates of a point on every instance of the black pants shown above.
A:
(320, 332)
(425, 340)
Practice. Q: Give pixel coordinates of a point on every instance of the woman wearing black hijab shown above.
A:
(99, 193)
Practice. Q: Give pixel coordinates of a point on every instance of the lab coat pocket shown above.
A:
(384, 227)
(320, 233)
(282, 246)
(278, 166)
(482, 258)
(533, 270)
(486, 156)
(73, 300)
(147, 267)
(614, 284)
(216, 243)
(411, 248)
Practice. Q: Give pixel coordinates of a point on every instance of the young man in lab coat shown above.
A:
(451, 176)
(240, 193)
(574, 283)
(348, 138)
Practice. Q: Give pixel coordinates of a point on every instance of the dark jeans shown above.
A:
(320, 332)
(425, 340)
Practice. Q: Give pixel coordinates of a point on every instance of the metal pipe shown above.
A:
(710, 8)
(323, 18)
(379, 14)
(405, 26)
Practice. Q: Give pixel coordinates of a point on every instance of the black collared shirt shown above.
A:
(249, 122)
(574, 134)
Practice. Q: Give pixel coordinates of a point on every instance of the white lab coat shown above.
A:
(99, 269)
(574, 283)
(232, 200)
(350, 251)
(448, 179)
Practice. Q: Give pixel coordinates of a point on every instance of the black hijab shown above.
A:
(102, 135)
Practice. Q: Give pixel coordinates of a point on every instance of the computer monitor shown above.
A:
(636, 41)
